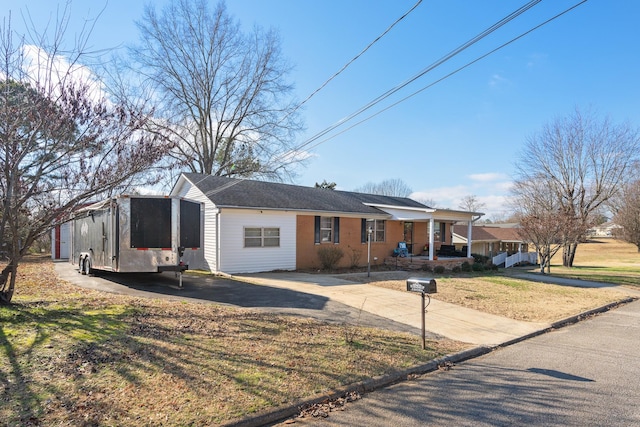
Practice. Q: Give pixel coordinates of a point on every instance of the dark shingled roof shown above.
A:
(244, 193)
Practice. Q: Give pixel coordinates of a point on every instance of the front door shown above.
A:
(408, 236)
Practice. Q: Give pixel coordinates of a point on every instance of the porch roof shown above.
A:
(426, 214)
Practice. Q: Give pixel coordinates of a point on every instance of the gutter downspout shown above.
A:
(218, 239)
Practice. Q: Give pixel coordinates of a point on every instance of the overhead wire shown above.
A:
(344, 67)
(468, 64)
(434, 65)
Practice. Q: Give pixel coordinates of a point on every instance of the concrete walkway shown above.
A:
(449, 320)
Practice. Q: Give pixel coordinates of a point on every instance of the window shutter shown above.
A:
(317, 231)
(363, 231)
(336, 229)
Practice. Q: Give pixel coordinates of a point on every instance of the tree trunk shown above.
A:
(569, 254)
(8, 283)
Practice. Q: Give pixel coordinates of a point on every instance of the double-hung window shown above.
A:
(261, 237)
(326, 229)
(377, 227)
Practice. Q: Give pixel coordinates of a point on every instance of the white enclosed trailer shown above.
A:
(136, 234)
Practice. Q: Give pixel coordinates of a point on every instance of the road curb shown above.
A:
(365, 386)
(375, 383)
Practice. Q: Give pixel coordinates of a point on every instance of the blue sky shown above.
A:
(463, 135)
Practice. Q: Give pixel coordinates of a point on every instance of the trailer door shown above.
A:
(189, 224)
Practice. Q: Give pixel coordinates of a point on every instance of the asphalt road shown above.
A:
(586, 374)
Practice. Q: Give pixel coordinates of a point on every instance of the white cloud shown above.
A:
(498, 80)
(50, 72)
(487, 177)
(491, 189)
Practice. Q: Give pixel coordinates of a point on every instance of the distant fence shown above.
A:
(517, 258)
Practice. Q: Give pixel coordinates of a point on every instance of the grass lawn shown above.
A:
(512, 297)
(603, 260)
(70, 356)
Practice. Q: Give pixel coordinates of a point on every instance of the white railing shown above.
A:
(499, 259)
(518, 257)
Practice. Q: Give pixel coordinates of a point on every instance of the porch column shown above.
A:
(431, 238)
(469, 230)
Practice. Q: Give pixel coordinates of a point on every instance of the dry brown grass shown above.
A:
(513, 298)
(605, 260)
(71, 356)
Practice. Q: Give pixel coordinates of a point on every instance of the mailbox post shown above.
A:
(425, 286)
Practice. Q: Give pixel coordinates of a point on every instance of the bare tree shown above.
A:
(543, 223)
(390, 187)
(62, 141)
(627, 214)
(581, 161)
(471, 203)
(222, 95)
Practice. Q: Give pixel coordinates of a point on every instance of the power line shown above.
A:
(468, 64)
(359, 54)
(436, 64)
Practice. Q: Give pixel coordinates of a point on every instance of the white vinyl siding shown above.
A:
(205, 258)
(237, 257)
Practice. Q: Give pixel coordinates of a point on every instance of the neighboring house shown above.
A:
(490, 240)
(604, 230)
(253, 226)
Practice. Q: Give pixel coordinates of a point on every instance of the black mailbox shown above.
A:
(424, 285)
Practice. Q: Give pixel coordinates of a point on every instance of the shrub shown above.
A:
(439, 269)
(466, 267)
(456, 269)
(329, 256)
(427, 267)
(355, 257)
(477, 266)
(480, 259)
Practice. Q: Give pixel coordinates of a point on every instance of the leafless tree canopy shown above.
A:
(471, 203)
(222, 95)
(389, 187)
(580, 162)
(627, 214)
(543, 221)
(62, 142)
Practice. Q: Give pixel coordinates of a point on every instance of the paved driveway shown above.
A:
(209, 289)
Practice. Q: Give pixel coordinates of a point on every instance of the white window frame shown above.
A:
(378, 230)
(268, 237)
(326, 229)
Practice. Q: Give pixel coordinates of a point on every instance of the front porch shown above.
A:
(417, 262)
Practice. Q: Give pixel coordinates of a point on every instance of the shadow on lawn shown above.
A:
(38, 341)
(220, 290)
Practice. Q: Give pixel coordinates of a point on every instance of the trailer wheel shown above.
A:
(86, 266)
